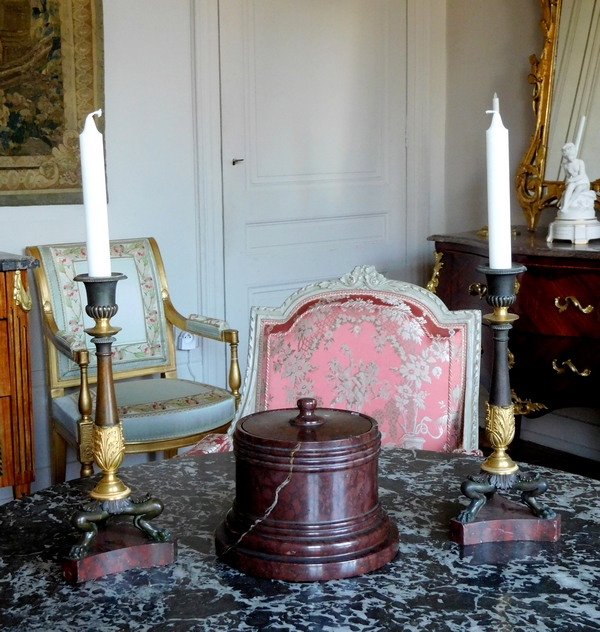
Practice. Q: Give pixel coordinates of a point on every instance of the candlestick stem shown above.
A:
(500, 418)
(110, 497)
(499, 471)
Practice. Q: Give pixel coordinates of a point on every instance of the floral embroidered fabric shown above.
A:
(153, 347)
(210, 444)
(206, 396)
(375, 353)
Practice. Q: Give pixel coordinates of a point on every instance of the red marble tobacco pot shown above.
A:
(306, 505)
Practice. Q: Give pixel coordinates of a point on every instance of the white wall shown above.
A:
(150, 168)
(489, 44)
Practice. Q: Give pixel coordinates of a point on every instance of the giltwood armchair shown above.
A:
(389, 349)
(157, 414)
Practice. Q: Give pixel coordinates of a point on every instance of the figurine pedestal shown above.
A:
(577, 231)
(503, 520)
(118, 547)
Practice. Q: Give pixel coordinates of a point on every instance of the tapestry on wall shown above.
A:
(51, 77)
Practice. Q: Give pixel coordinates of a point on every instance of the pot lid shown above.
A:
(310, 424)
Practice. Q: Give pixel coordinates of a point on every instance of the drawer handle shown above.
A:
(20, 295)
(562, 307)
(570, 365)
(478, 289)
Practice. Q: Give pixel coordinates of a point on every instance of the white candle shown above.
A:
(498, 191)
(94, 198)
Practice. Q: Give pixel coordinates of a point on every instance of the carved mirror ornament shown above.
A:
(537, 187)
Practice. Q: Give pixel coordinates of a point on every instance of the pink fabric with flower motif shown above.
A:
(210, 444)
(374, 353)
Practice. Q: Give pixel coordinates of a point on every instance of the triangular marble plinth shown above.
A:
(503, 520)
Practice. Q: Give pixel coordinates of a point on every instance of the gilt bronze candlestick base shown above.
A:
(110, 497)
(504, 520)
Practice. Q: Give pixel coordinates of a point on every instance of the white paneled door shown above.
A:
(313, 97)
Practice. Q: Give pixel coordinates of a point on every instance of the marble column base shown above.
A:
(503, 520)
(301, 558)
(118, 547)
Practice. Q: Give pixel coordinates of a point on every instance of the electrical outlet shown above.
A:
(186, 341)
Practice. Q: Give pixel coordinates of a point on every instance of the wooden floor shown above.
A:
(534, 454)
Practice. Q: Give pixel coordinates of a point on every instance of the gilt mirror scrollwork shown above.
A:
(566, 98)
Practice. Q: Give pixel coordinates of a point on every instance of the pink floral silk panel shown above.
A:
(210, 444)
(371, 352)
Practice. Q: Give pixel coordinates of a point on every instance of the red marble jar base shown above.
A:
(503, 520)
(302, 569)
(118, 547)
(306, 505)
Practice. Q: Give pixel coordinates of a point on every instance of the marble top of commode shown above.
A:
(432, 584)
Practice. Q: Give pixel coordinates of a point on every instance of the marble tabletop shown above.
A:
(433, 584)
(9, 262)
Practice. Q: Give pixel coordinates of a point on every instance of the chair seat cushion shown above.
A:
(157, 409)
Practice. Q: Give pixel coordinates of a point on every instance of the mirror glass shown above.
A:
(575, 111)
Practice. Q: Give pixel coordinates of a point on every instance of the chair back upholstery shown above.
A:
(365, 343)
(145, 344)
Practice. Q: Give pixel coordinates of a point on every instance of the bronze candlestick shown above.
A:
(499, 471)
(111, 496)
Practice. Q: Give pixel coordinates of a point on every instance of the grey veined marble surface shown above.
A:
(432, 584)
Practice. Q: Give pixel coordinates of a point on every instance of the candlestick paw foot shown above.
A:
(85, 520)
(480, 488)
(144, 511)
(532, 485)
(87, 517)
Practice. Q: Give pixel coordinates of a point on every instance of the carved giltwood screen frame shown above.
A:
(51, 77)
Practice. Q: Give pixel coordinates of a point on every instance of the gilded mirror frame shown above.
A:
(534, 193)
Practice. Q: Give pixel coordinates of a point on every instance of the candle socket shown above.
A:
(501, 284)
(102, 305)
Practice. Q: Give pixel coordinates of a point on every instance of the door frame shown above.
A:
(424, 140)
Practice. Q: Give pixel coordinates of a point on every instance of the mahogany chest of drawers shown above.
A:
(16, 415)
(555, 343)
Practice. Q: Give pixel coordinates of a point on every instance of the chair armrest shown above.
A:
(199, 325)
(62, 340)
(215, 329)
(208, 327)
